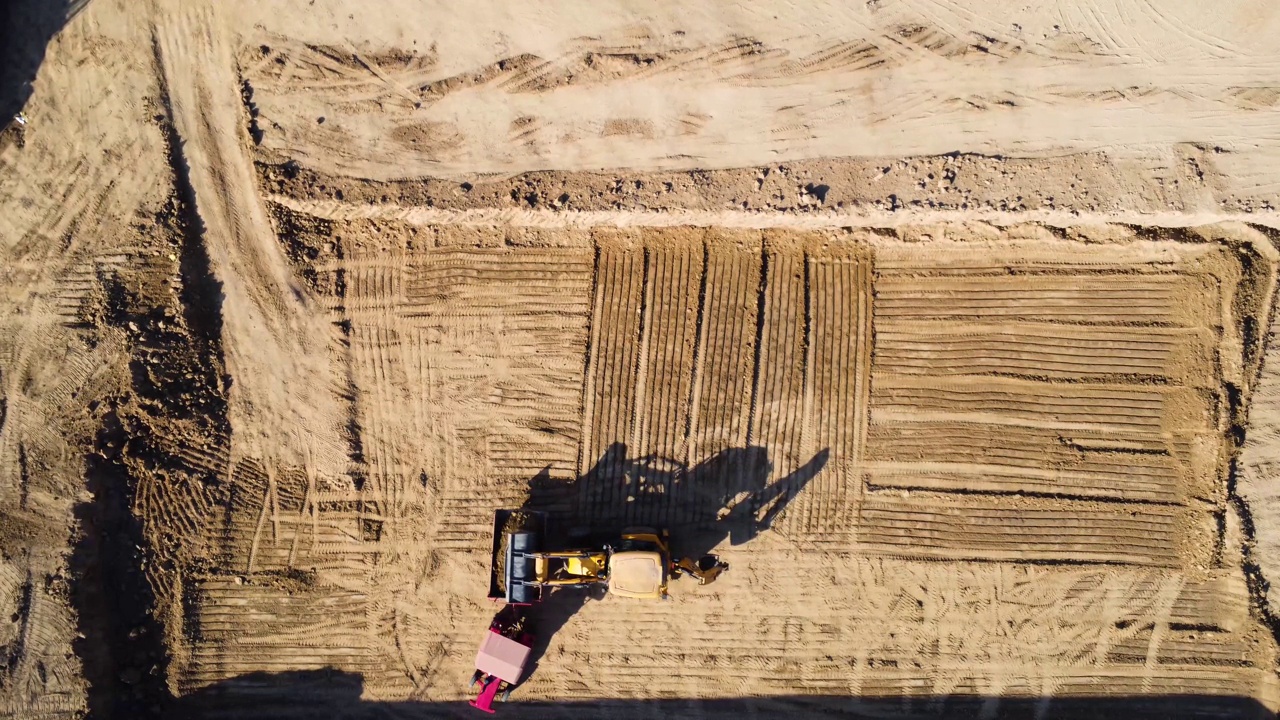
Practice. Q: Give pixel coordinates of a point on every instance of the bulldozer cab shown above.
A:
(521, 571)
(638, 565)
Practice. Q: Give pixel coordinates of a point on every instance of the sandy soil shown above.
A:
(947, 326)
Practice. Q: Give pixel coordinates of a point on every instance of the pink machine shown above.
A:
(502, 656)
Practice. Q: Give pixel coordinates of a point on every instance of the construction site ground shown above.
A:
(950, 331)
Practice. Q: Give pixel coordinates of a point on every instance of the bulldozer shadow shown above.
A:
(727, 497)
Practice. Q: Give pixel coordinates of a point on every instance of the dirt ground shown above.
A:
(947, 326)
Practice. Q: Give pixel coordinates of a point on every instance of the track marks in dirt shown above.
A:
(778, 408)
(275, 342)
(1069, 379)
(898, 629)
(1055, 381)
(39, 678)
(1149, 300)
(1031, 349)
(458, 366)
(811, 380)
(278, 521)
(487, 363)
(617, 326)
(669, 342)
(467, 366)
(920, 80)
(455, 282)
(990, 529)
(266, 625)
(707, 343)
(1010, 460)
(725, 366)
(522, 315)
(42, 405)
(367, 76)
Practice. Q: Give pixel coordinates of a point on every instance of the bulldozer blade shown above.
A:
(515, 532)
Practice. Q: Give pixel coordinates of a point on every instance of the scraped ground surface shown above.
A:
(1034, 399)
(947, 327)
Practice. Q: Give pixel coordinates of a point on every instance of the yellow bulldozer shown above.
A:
(635, 564)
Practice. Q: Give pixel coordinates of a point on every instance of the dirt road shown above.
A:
(284, 388)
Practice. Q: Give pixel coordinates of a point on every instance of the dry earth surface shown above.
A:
(948, 325)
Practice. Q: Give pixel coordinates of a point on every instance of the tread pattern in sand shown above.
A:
(1086, 380)
(1099, 633)
(726, 359)
(261, 627)
(479, 354)
(724, 349)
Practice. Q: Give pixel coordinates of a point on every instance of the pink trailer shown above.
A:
(500, 663)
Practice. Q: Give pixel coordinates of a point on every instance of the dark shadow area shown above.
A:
(726, 497)
(26, 27)
(120, 643)
(336, 695)
(176, 376)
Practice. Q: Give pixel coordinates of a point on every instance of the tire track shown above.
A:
(724, 394)
(618, 314)
(986, 529)
(274, 340)
(966, 458)
(244, 628)
(778, 424)
(676, 278)
(835, 380)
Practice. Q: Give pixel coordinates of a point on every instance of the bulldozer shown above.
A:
(635, 564)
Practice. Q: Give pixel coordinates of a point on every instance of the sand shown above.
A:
(947, 326)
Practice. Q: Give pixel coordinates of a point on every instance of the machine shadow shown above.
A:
(726, 497)
(337, 695)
